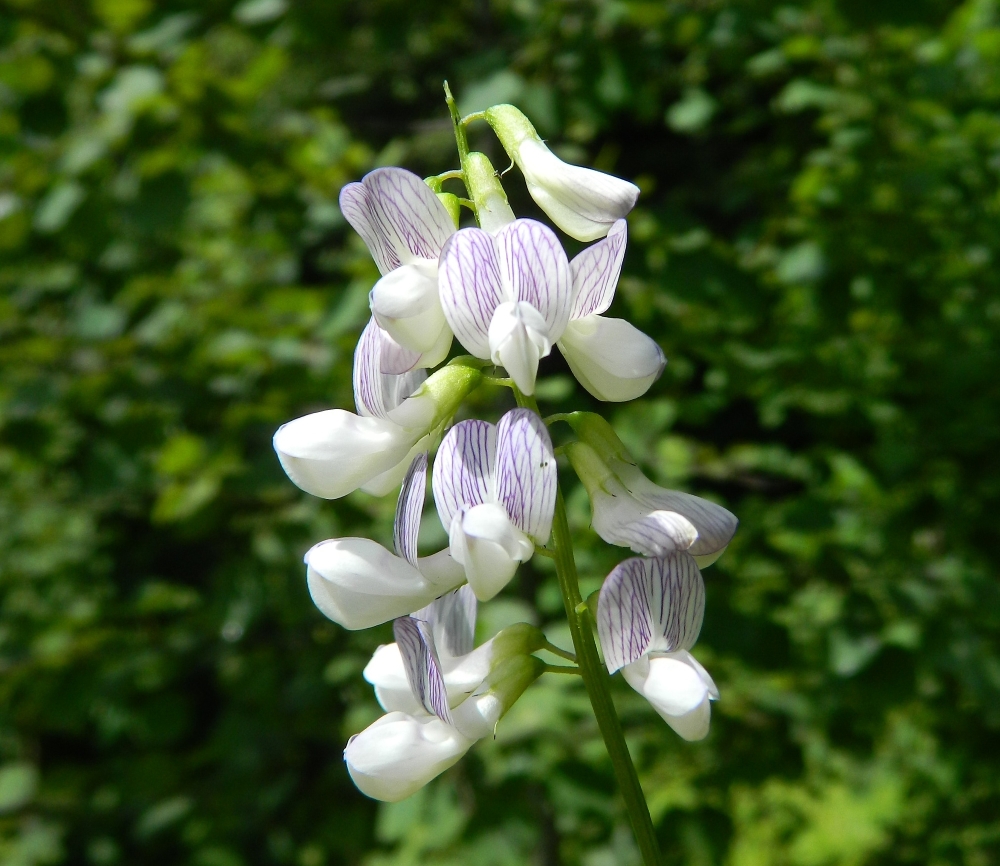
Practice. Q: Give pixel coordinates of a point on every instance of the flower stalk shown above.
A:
(595, 678)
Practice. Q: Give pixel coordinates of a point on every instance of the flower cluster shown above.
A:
(508, 293)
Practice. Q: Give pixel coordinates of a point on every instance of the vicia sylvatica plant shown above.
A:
(506, 291)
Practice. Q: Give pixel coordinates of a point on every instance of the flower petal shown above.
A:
(358, 583)
(676, 690)
(423, 669)
(471, 287)
(406, 304)
(715, 525)
(409, 508)
(376, 392)
(398, 754)
(611, 358)
(595, 272)
(398, 217)
(453, 621)
(489, 546)
(332, 453)
(534, 266)
(395, 358)
(526, 472)
(519, 338)
(463, 468)
(650, 603)
(584, 203)
(387, 674)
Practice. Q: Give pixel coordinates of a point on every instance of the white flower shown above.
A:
(334, 452)
(611, 358)
(358, 583)
(649, 614)
(440, 695)
(510, 297)
(631, 511)
(404, 225)
(583, 202)
(495, 489)
(398, 754)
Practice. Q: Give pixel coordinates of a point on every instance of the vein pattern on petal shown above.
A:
(463, 468)
(595, 272)
(534, 266)
(409, 507)
(647, 604)
(398, 217)
(526, 472)
(423, 669)
(471, 287)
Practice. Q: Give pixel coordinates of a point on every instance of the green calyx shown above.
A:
(509, 679)
(511, 127)
(519, 639)
(588, 466)
(448, 387)
(599, 435)
(486, 192)
(451, 204)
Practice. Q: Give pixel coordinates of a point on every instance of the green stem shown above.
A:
(595, 678)
(460, 137)
(560, 669)
(559, 651)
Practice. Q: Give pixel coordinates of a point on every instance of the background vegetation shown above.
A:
(815, 250)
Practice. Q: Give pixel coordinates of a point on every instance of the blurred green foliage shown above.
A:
(814, 249)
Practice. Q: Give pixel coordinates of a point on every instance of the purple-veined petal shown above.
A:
(647, 604)
(534, 265)
(471, 287)
(453, 621)
(398, 217)
(354, 204)
(368, 371)
(410, 215)
(716, 525)
(409, 508)
(463, 468)
(526, 472)
(595, 272)
(423, 669)
(395, 359)
(376, 392)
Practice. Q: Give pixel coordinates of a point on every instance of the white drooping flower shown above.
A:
(512, 296)
(631, 511)
(611, 358)
(335, 452)
(440, 695)
(495, 491)
(649, 614)
(583, 202)
(357, 583)
(404, 225)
